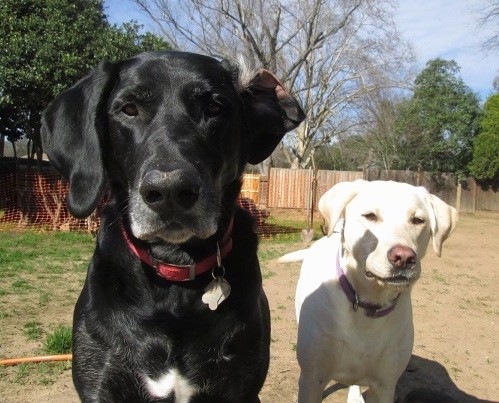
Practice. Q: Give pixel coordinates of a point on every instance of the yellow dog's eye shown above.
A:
(370, 217)
(417, 221)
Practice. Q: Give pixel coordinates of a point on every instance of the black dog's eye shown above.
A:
(370, 217)
(417, 220)
(130, 110)
(214, 108)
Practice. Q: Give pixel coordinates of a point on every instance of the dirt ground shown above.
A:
(456, 313)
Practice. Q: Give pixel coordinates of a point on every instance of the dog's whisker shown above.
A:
(123, 208)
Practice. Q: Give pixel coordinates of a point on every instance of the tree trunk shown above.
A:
(14, 149)
(2, 146)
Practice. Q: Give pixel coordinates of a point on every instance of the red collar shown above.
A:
(174, 272)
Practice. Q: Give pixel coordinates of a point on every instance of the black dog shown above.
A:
(169, 133)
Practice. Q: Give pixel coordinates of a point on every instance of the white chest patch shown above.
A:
(171, 382)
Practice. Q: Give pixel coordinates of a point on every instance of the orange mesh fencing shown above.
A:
(37, 200)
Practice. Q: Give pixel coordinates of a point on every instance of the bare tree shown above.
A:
(379, 113)
(488, 17)
(330, 53)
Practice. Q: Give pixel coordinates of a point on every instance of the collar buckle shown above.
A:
(192, 272)
(355, 303)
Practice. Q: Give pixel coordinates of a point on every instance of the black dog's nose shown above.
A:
(174, 190)
(401, 257)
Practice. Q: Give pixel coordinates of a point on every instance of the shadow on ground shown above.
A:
(424, 381)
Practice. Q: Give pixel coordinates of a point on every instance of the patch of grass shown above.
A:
(32, 330)
(282, 238)
(21, 286)
(40, 273)
(82, 267)
(47, 372)
(11, 255)
(22, 372)
(44, 299)
(268, 274)
(25, 252)
(59, 341)
(43, 373)
(454, 370)
(269, 252)
(47, 380)
(439, 278)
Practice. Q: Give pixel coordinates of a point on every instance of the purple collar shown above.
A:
(372, 310)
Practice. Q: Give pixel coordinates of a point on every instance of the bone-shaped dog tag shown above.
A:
(216, 292)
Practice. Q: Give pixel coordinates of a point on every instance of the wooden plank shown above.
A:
(251, 187)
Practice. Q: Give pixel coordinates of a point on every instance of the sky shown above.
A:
(436, 28)
(448, 29)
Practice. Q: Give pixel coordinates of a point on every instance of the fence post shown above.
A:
(263, 191)
(458, 196)
(474, 195)
(268, 186)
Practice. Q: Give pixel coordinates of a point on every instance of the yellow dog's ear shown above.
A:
(443, 219)
(332, 203)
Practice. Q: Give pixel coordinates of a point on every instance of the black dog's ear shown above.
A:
(72, 129)
(275, 112)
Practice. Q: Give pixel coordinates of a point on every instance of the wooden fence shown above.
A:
(251, 187)
(467, 195)
(474, 197)
(293, 188)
